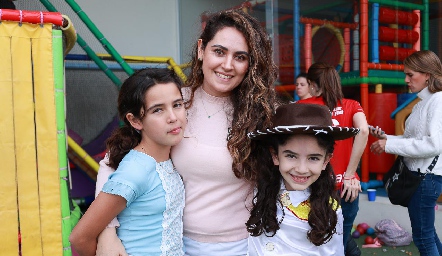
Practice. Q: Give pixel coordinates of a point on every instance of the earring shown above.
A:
(426, 81)
(200, 59)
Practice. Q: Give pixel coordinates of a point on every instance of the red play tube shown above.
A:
(391, 16)
(322, 22)
(308, 45)
(385, 66)
(363, 72)
(31, 16)
(285, 88)
(387, 34)
(392, 53)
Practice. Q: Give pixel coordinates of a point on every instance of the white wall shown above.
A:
(161, 28)
(137, 27)
(190, 20)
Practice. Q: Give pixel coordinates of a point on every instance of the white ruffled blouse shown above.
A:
(291, 239)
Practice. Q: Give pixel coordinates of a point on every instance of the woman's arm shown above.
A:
(102, 210)
(353, 186)
(109, 244)
(103, 175)
(426, 144)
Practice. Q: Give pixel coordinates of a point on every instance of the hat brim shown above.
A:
(338, 133)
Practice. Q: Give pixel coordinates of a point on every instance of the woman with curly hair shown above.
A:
(229, 92)
(296, 210)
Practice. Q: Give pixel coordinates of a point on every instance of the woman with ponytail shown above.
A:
(421, 146)
(145, 192)
(325, 86)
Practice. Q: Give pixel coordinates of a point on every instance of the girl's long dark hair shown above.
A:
(322, 217)
(131, 99)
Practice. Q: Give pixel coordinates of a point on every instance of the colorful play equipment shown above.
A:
(396, 30)
(36, 204)
(390, 71)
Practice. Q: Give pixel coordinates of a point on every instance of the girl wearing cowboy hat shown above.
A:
(296, 210)
(327, 90)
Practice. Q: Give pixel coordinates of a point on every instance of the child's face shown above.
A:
(165, 117)
(301, 161)
(302, 88)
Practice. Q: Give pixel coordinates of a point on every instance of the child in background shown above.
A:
(303, 86)
(327, 90)
(296, 210)
(145, 191)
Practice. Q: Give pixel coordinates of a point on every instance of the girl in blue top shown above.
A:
(145, 191)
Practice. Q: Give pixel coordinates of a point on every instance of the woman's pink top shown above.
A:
(217, 202)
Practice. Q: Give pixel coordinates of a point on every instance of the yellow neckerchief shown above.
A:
(303, 209)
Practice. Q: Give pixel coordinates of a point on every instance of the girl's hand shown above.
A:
(109, 244)
(378, 147)
(350, 189)
(377, 132)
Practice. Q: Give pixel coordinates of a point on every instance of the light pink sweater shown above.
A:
(217, 202)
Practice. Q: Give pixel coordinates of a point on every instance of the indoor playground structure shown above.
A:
(50, 171)
(50, 167)
(367, 51)
(37, 214)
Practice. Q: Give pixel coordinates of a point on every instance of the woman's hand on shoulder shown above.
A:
(109, 244)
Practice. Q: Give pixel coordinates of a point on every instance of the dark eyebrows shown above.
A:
(288, 151)
(162, 104)
(226, 49)
(154, 106)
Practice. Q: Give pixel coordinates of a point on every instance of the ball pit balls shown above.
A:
(361, 230)
(369, 231)
(363, 225)
(356, 234)
(369, 240)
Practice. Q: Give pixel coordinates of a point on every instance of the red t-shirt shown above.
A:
(342, 116)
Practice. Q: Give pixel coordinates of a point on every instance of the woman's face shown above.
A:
(225, 61)
(301, 161)
(302, 88)
(416, 81)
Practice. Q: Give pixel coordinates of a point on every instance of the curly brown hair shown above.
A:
(254, 99)
(322, 217)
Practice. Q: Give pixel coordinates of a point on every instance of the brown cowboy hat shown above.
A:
(304, 119)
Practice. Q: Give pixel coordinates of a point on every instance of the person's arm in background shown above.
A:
(427, 146)
(108, 242)
(351, 185)
(85, 234)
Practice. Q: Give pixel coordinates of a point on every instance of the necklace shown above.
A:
(205, 110)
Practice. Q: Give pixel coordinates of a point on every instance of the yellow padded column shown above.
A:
(8, 189)
(25, 141)
(47, 147)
